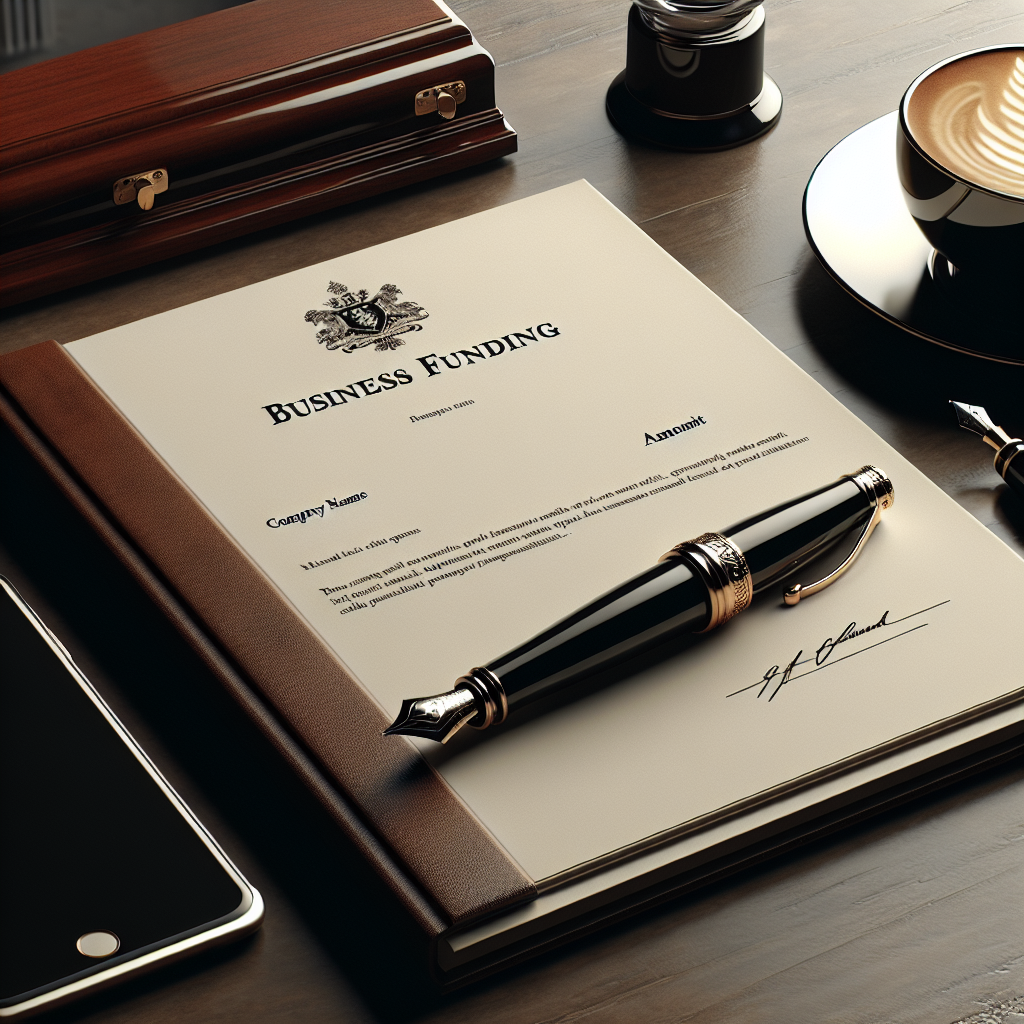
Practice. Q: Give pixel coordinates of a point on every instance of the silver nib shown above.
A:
(975, 419)
(436, 718)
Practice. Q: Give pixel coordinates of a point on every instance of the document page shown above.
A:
(439, 446)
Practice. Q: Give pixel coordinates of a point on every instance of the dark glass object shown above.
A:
(694, 76)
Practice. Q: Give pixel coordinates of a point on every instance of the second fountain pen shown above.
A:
(693, 588)
(1009, 457)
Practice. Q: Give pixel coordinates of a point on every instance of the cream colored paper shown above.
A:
(564, 422)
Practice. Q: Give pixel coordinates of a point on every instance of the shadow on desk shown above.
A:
(897, 369)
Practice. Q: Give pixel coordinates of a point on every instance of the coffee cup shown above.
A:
(960, 155)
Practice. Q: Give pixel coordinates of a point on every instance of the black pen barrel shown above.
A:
(669, 599)
(697, 586)
(777, 542)
(646, 610)
(1010, 465)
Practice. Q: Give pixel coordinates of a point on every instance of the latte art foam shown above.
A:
(968, 116)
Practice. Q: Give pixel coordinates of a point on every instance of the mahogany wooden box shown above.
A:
(227, 123)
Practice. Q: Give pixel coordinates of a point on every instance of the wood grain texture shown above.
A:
(119, 246)
(259, 114)
(199, 132)
(224, 50)
(913, 918)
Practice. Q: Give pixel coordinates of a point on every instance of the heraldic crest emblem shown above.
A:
(352, 320)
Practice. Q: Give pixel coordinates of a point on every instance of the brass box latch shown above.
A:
(141, 188)
(442, 98)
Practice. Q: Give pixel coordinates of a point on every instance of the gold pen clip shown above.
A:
(878, 487)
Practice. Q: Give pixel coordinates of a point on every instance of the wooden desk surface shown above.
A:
(913, 917)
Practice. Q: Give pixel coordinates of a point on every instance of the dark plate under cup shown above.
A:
(862, 232)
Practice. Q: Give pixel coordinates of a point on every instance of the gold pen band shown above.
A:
(876, 484)
(723, 570)
(722, 567)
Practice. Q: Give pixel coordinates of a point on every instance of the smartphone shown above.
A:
(104, 872)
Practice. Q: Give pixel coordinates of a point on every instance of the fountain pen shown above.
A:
(693, 588)
(1009, 457)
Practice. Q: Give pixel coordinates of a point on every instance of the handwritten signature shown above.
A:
(776, 678)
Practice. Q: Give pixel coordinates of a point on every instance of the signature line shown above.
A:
(921, 612)
(793, 679)
(894, 622)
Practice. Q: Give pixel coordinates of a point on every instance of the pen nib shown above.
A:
(436, 718)
(975, 419)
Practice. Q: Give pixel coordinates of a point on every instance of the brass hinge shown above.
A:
(442, 98)
(141, 188)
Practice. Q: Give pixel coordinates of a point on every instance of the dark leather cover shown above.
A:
(437, 856)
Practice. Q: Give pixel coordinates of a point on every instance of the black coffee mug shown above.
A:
(960, 154)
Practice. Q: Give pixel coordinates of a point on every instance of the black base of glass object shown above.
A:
(701, 87)
(688, 132)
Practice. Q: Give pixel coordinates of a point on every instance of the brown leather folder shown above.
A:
(231, 122)
(442, 862)
(564, 849)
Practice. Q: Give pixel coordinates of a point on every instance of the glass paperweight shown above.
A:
(694, 77)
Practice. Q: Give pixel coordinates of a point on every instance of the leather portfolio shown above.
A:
(174, 139)
(343, 500)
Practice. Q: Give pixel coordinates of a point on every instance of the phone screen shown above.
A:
(100, 863)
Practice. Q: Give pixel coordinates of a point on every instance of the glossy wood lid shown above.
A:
(257, 46)
(271, 79)
(238, 120)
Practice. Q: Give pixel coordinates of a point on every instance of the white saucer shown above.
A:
(860, 229)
